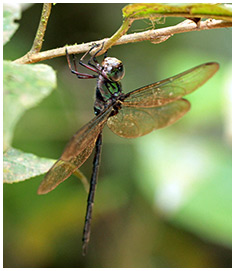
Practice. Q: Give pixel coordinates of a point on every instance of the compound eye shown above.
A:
(117, 73)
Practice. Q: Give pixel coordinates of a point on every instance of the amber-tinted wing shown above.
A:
(133, 122)
(75, 153)
(171, 89)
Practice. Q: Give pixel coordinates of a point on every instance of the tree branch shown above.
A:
(38, 40)
(155, 36)
(37, 44)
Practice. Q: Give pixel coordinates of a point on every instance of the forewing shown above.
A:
(133, 122)
(171, 89)
(75, 153)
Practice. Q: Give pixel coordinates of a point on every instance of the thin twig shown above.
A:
(152, 35)
(38, 40)
(37, 44)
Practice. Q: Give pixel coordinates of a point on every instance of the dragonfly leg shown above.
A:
(88, 52)
(74, 71)
(90, 66)
(84, 75)
(94, 67)
(105, 54)
(97, 65)
(94, 56)
(91, 195)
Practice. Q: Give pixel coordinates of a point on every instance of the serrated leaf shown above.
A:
(24, 86)
(11, 12)
(19, 166)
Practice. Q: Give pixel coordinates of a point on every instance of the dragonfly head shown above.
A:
(113, 69)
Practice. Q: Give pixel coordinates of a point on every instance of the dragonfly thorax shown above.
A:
(112, 68)
(107, 92)
(108, 87)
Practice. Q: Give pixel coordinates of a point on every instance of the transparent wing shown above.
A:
(171, 89)
(133, 122)
(75, 153)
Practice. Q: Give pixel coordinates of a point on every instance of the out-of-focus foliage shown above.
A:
(24, 87)
(19, 166)
(198, 197)
(163, 200)
(11, 12)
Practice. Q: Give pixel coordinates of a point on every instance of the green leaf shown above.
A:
(151, 11)
(24, 87)
(11, 12)
(19, 166)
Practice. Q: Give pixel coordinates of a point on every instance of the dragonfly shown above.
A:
(128, 115)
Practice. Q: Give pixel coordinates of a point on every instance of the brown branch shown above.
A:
(38, 40)
(155, 36)
(37, 44)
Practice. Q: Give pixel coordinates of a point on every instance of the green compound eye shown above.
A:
(117, 73)
(113, 69)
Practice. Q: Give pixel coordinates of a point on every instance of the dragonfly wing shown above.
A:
(171, 89)
(75, 153)
(133, 122)
(61, 170)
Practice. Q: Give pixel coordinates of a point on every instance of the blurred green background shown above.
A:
(163, 200)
